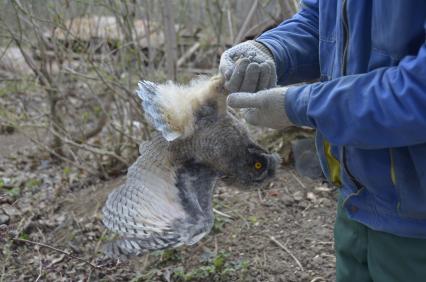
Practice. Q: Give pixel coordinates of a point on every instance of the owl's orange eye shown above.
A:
(258, 165)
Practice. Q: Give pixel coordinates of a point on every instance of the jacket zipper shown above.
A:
(345, 167)
(345, 25)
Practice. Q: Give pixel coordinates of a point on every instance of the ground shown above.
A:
(282, 233)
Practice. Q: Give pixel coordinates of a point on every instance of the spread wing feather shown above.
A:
(161, 204)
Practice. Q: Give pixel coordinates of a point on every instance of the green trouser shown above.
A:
(363, 254)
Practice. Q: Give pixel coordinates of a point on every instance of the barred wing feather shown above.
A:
(161, 205)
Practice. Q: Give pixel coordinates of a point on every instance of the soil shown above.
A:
(281, 233)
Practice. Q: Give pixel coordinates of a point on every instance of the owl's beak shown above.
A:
(276, 160)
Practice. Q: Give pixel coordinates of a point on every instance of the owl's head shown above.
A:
(196, 117)
(225, 144)
(251, 167)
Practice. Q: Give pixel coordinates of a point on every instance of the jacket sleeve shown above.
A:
(379, 109)
(294, 45)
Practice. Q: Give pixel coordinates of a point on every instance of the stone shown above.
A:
(4, 219)
(305, 156)
(10, 210)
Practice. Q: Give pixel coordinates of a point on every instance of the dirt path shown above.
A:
(13, 143)
(54, 208)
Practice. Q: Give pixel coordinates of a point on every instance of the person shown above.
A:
(368, 106)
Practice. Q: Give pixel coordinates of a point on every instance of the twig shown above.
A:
(260, 195)
(298, 180)
(98, 244)
(324, 242)
(57, 250)
(170, 38)
(229, 18)
(256, 29)
(40, 266)
(45, 147)
(287, 251)
(243, 28)
(188, 54)
(88, 147)
(323, 189)
(318, 279)
(55, 261)
(198, 70)
(222, 214)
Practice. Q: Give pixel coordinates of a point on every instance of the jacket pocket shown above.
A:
(329, 162)
(410, 178)
(347, 171)
(371, 169)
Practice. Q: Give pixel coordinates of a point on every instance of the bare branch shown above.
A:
(287, 251)
(57, 250)
(170, 38)
(249, 17)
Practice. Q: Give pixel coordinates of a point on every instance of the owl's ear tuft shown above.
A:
(174, 109)
(152, 104)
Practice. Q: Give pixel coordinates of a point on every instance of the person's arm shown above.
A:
(294, 45)
(380, 109)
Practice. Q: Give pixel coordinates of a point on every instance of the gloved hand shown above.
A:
(248, 67)
(264, 108)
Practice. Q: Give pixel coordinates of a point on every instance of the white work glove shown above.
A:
(264, 108)
(248, 67)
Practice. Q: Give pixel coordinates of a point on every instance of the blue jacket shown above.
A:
(369, 107)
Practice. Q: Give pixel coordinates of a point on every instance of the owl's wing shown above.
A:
(172, 109)
(161, 205)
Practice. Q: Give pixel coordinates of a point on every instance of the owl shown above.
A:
(166, 200)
